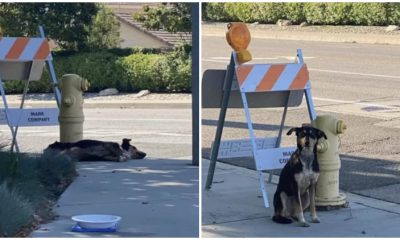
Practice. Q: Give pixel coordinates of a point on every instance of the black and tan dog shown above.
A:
(297, 183)
(93, 150)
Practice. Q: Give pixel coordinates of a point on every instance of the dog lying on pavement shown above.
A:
(297, 182)
(93, 150)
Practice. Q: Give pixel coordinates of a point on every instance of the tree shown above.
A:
(172, 17)
(104, 31)
(66, 23)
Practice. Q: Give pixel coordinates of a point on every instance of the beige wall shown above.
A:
(135, 38)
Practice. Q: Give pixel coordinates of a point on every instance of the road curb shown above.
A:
(149, 105)
(218, 30)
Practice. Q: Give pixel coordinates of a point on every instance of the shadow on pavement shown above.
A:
(243, 125)
(154, 197)
(359, 175)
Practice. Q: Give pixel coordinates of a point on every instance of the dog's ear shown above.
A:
(321, 134)
(126, 140)
(291, 131)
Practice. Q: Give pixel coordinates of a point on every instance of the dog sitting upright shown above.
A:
(297, 183)
(93, 150)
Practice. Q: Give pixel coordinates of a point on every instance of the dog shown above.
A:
(297, 182)
(93, 150)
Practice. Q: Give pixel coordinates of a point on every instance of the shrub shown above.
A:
(244, 12)
(269, 12)
(215, 11)
(339, 13)
(170, 72)
(368, 14)
(15, 212)
(125, 69)
(315, 12)
(144, 71)
(55, 173)
(294, 11)
(179, 71)
(28, 187)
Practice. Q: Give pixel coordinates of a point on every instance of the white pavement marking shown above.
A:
(226, 59)
(356, 102)
(292, 58)
(219, 59)
(139, 119)
(354, 73)
(105, 133)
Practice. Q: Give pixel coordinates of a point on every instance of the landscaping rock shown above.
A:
(392, 28)
(108, 92)
(142, 93)
(304, 24)
(283, 23)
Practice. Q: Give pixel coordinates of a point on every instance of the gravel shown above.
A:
(121, 97)
(313, 28)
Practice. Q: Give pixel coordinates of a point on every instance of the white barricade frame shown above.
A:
(23, 58)
(267, 78)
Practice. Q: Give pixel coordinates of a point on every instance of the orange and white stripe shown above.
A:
(24, 49)
(272, 77)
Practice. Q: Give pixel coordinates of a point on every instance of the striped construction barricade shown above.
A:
(23, 59)
(256, 86)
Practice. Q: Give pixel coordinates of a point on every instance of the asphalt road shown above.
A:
(358, 83)
(161, 133)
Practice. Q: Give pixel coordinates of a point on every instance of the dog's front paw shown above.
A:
(315, 220)
(304, 224)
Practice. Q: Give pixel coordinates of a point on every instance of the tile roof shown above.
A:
(125, 11)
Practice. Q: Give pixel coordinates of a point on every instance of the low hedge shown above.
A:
(344, 13)
(128, 70)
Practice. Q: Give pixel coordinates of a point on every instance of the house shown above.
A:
(133, 34)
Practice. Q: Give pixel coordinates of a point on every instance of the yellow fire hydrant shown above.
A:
(327, 193)
(71, 116)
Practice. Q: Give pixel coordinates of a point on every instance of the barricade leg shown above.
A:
(224, 105)
(263, 188)
(21, 106)
(310, 104)
(3, 95)
(261, 175)
(278, 140)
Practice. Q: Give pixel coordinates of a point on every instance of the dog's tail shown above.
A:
(281, 219)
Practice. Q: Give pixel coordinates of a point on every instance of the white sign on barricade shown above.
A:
(30, 117)
(273, 158)
(243, 147)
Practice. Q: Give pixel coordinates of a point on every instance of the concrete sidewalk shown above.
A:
(154, 197)
(234, 208)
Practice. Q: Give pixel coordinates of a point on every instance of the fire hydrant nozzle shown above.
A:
(340, 127)
(68, 101)
(322, 146)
